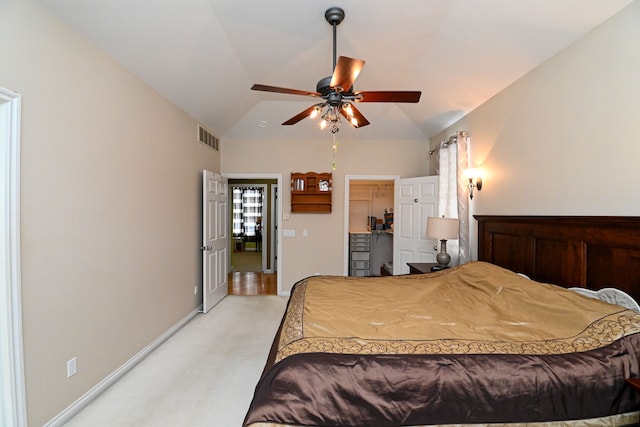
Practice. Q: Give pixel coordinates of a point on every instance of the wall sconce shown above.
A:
(475, 180)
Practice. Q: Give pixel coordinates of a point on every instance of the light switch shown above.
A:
(288, 233)
(305, 233)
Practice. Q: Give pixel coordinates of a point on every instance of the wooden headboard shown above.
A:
(588, 251)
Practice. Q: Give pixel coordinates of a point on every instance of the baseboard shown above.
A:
(99, 388)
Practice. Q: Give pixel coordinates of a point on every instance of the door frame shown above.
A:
(347, 185)
(12, 394)
(275, 226)
(278, 234)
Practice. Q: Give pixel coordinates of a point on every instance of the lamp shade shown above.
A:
(443, 228)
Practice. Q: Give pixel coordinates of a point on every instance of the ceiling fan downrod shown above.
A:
(334, 16)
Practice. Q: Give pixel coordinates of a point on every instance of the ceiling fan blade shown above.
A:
(302, 115)
(347, 69)
(360, 119)
(265, 88)
(389, 96)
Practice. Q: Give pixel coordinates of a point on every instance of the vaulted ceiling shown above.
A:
(204, 55)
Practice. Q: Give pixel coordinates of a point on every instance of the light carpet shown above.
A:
(204, 375)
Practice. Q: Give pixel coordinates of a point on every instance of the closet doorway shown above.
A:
(369, 198)
(415, 199)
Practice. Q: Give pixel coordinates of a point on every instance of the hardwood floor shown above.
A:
(251, 283)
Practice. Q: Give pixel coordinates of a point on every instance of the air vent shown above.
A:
(207, 138)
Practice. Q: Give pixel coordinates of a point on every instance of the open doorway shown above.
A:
(369, 239)
(255, 253)
(415, 199)
(249, 209)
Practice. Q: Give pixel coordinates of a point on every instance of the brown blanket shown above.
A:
(473, 344)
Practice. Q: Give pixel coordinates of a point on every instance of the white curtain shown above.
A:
(247, 208)
(452, 159)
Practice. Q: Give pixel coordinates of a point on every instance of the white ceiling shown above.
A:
(204, 55)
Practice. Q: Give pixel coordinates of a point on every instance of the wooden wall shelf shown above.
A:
(311, 192)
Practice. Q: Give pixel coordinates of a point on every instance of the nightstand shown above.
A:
(421, 267)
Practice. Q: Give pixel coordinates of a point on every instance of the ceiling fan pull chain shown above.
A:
(334, 148)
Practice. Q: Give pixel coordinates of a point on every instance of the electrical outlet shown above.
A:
(305, 233)
(71, 367)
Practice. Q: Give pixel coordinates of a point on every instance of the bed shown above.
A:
(472, 345)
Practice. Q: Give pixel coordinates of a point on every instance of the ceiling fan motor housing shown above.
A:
(324, 86)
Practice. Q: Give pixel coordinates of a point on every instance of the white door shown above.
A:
(215, 239)
(416, 199)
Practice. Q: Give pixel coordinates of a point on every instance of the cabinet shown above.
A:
(311, 192)
(359, 254)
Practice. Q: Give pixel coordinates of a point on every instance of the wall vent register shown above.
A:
(207, 138)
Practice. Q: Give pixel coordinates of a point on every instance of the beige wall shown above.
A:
(111, 184)
(563, 140)
(323, 250)
(110, 207)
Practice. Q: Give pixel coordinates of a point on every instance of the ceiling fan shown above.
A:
(337, 90)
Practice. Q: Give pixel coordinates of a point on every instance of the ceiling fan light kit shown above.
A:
(337, 90)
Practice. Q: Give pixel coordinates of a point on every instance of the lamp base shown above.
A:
(443, 257)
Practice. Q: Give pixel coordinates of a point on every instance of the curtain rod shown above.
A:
(452, 140)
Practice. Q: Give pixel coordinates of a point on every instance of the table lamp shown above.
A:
(443, 229)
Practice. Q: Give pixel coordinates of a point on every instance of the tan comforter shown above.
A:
(407, 350)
